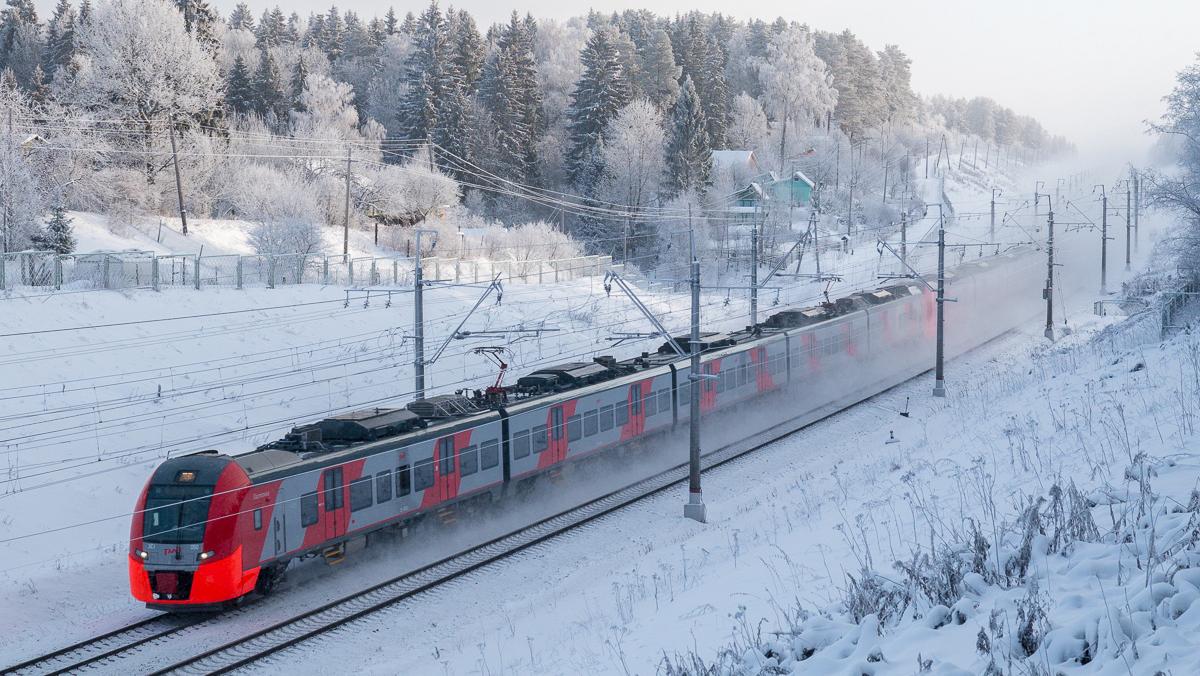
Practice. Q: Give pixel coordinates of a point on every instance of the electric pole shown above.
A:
(1103, 239)
(812, 228)
(754, 269)
(1137, 198)
(1128, 225)
(939, 376)
(1050, 274)
(992, 229)
(346, 215)
(419, 318)
(694, 508)
(178, 180)
(903, 238)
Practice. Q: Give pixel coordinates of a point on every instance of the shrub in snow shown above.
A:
(283, 209)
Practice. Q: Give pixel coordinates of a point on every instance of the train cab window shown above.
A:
(622, 414)
(446, 456)
(468, 461)
(362, 495)
(574, 428)
(538, 436)
(333, 489)
(520, 444)
(591, 423)
(422, 476)
(383, 486)
(308, 509)
(606, 418)
(664, 400)
(489, 454)
(651, 404)
(403, 481)
(258, 519)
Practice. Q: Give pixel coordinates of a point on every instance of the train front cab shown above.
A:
(184, 548)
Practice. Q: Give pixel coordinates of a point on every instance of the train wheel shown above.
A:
(268, 578)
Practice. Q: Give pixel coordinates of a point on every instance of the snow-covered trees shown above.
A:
(57, 236)
(282, 207)
(796, 84)
(601, 92)
(139, 62)
(513, 100)
(633, 159)
(748, 126)
(689, 153)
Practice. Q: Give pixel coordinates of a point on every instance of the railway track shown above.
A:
(108, 646)
(263, 643)
(108, 651)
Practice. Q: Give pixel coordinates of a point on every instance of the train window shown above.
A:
(651, 405)
(383, 486)
(333, 489)
(606, 418)
(538, 434)
(489, 454)
(403, 481)
(361, 494)
(520, 444)
(556, 422)
(664, 399)
(622, 413)
(591, 423)
(574, 428)
(422, 476)
(468, 461)
(258, 519)
(308, 509)
(446, 456)
(685, 395)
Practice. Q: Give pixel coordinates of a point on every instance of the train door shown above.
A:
(279, 528)
(335, 503)
(557, 448)
(444, 462)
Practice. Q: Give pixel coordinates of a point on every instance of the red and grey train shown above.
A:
(210, 528)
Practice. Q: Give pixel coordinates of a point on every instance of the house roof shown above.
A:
(735, 158)
(799, 176)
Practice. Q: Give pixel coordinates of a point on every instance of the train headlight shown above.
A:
(143, 554)
(204, 556)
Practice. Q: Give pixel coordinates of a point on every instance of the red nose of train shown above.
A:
(184, 545)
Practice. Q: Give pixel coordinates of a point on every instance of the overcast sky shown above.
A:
(1092, 70)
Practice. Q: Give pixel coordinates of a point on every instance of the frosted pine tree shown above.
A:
(689, 154)
(58, 236)
(240, 95)
(602, 90)
(241, 18)
(271, 99)
(659, 74)
(426, 75)
(60, 38)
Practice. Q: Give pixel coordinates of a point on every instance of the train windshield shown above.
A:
(176, 514)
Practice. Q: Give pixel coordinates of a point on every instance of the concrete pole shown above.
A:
(418, 323)
(754, 269)
(904, 238)
(1128, 226)
(939, 377)
(346, 214)
(1103, 242)
(1050, 275)
(178, 180)
(694, 508)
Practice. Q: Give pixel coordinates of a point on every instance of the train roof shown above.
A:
(371, 430)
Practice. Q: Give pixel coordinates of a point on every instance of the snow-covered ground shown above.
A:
(88, 413)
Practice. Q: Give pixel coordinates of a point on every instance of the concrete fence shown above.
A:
(115, 270)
